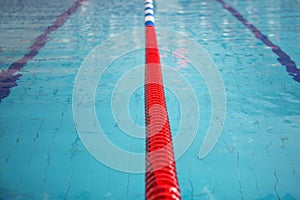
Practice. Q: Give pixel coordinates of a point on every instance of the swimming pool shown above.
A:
(42, 156)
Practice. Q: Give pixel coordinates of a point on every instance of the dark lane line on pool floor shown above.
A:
(283, 57)
(8, 78)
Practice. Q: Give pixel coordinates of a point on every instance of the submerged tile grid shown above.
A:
(250, 134)
(255, 158)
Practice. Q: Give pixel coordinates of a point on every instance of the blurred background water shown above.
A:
(256, 157)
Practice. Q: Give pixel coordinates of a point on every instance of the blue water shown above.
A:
(256, 157)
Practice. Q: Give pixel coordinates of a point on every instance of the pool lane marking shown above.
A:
(9, 77)
(283, 57)
(161, 176)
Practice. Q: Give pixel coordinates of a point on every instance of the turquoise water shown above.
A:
(256, 157)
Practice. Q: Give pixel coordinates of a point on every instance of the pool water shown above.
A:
(256, 156)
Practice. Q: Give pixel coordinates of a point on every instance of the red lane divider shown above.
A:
(161, 176)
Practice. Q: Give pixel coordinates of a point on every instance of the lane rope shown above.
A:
(161, 175)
